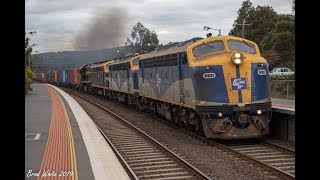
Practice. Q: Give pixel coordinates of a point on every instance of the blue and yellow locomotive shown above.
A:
(124, 80)
(217, 86)
(99, 77)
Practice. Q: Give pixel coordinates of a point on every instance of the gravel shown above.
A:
(279, 142)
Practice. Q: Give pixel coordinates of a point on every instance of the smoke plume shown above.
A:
(106, 29)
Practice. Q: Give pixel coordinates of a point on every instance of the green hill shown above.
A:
(43, 62)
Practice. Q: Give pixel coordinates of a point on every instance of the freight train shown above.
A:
(215, 86)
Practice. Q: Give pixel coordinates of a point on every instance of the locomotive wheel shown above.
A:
(198, 127)
(188, 125)
(177, 121)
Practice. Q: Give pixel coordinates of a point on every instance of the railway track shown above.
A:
(274, 158)
(141, 155)
(279, 160)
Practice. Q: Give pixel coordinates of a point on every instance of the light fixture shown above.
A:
(237, 58)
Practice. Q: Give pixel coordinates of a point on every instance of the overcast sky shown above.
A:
(97, 24)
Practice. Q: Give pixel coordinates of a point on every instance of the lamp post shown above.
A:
(206, 28)
(32, 33)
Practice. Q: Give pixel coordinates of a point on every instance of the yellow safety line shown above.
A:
(73, 157)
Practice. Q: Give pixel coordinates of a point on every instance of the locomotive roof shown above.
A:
(102, 63)
(173, 48)
(120, 61)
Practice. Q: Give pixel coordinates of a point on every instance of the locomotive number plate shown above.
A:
(238, 83)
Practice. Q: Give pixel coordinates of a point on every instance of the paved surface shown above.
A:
(283, 102)
(62, 140)
(37, 120)
(284, 106)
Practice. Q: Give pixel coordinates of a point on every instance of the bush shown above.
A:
(28, 80)
(283, 88)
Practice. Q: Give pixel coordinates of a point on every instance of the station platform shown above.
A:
(61, 140)
(283, 102)
(285, 106)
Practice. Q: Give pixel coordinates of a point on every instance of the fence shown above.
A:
(283, 89)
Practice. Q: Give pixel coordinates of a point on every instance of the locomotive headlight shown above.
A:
(237, 61)
(237, 58)
(259, 111)
(220, 114)
(237, 55)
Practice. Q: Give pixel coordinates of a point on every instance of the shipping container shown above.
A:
(71, 76)
(42, 77)
(46, 75)
(65, 76)
(59, 75)
(77, 76)
(49, 76)
(53, 76)
(38, 77)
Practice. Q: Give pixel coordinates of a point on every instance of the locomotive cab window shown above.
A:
(209, 47)
(241, 46)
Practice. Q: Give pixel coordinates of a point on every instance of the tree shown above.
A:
(262, 20)
(243, 14)
(272, 58)
(273, 32)
(28, 79)
(27, 50)
(282, 40)
(142, 39)
(28, 71)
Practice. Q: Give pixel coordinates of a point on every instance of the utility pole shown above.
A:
(243, 26)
